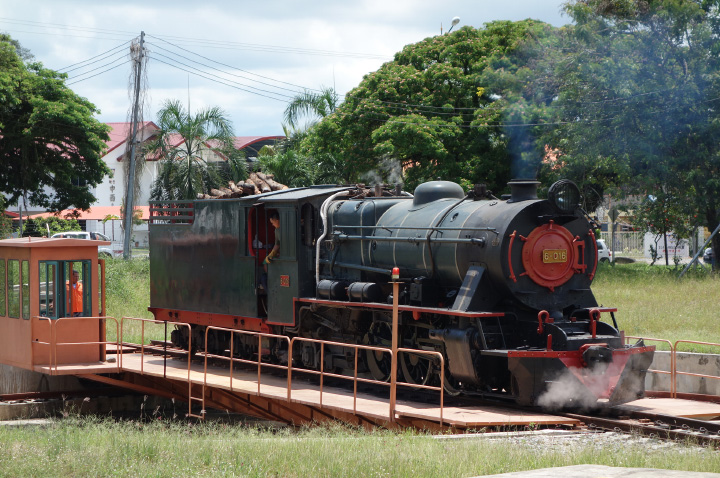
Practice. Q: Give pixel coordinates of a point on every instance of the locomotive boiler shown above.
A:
(499, 286)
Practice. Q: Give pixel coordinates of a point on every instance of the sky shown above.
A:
(249, 58)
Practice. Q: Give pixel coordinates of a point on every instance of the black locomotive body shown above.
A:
(501, 287)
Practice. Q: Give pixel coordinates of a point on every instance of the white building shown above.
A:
(110, 193)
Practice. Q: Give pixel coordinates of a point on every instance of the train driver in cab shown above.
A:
(275, 222)
(74, 293)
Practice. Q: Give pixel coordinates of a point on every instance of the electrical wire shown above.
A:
(223, 79)
(221, 71)
(230, 66)
(270, 48)
(123, 56)
(67, 68)
(216, 80)
(97, 74)
(36, 24)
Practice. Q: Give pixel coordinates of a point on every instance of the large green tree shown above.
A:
(182, 141)
(638, 97)
(460, 106)
(50, 144)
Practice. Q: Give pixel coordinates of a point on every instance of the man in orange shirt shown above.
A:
(74, 292)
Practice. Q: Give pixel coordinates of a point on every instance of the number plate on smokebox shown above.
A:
(553, 256)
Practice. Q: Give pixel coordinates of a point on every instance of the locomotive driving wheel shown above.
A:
(416, 368)
(379, 363)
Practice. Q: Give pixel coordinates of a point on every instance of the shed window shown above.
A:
(13, 288)
(25, 277)
(3, 290)
(48, 273)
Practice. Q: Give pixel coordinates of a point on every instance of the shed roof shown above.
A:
(49, 242)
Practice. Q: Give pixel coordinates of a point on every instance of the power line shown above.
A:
(195, 41)
(62, 26)
(224, 79)
(228, 66)
(221, 71)
(67, 68)
(98, 74)
(270, 48)
(101, 66)
(216, 80)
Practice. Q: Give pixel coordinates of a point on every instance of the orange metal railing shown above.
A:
(53, 343)
(141, 345)
(670, 372)
(260, 336)
(690, 374)
(322, 373)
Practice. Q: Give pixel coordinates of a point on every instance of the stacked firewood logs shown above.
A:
(256, 183)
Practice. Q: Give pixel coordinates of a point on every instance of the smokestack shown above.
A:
(523, 189)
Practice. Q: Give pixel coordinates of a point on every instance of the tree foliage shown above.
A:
(53, 224)
(181, 142)
(50, 144)
(637, 100)
(442, 108)
(312, 105)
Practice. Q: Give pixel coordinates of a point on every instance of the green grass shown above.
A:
(128, 295)
(101, 447)
(652, 302)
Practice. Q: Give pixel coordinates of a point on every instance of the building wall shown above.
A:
(111, 191)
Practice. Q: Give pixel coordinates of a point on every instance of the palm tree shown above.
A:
(311, 105)
(181, 140)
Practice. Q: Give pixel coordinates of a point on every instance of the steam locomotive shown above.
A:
(499, 286)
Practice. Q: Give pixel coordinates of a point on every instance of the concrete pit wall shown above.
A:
(18, 380)
(705, 364)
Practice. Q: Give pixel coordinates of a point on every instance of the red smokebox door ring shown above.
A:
(550, 255)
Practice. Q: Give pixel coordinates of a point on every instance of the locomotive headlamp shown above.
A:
(565, 195)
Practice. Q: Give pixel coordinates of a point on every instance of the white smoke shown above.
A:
(566, 390)
(389, 170)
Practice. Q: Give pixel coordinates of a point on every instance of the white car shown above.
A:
(604, 253)
(103, 251)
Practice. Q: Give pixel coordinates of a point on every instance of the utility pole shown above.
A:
(130, 188)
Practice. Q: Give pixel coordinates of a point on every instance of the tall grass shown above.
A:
(97, 447)
(652, 302)
(127, 288)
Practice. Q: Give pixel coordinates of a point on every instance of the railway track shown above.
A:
(665, 427)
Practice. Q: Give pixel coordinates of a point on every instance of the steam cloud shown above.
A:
(389, 170)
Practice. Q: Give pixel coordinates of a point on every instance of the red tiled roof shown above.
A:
(97, 213)
(118, 133)
(241, 142)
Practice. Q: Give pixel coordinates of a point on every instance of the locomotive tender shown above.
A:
(501, 287)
